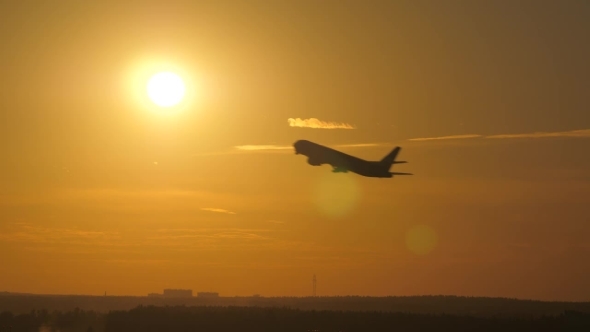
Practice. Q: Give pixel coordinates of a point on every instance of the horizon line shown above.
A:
(7, 293)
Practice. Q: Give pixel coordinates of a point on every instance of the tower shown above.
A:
(314, 285)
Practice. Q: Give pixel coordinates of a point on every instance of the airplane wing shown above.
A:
(339, 157)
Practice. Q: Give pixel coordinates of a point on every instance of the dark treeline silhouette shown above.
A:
(232, 319)
(473, 306)
(44, 321)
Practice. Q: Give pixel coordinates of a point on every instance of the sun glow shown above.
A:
(166, 89)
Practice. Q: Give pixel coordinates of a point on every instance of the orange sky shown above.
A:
(99, 192)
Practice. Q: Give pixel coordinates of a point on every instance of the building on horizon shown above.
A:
(207, 294)
(155, 295)
(178, 293)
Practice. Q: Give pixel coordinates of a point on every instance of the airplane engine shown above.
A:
(313, 162)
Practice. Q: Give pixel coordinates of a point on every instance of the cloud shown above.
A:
(213, 236)
(360, 145)
(265, 247)
(210, 230)
(263, 147)
(32, 234)
(445, 137)
(571, 133)
(283, 148)
(238, 235)
(119, 200)
(316, 123)
(218, 210)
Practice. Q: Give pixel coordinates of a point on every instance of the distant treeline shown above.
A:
(473, 306)
(44, 321)
(233, 319)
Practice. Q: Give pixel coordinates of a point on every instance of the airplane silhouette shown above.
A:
(342, 162)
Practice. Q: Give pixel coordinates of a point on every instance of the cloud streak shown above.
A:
(165, 247)
(218, 210)
(31, 235)
(582, 133)
(263, 147)
(360, 145)
(317, 124)
(571, 133)
(421, 139)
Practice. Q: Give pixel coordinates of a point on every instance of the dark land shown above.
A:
(475, 306)
(27, 312)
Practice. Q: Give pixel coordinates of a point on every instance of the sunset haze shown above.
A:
(103, 190)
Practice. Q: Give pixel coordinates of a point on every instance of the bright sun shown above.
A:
(166, 89)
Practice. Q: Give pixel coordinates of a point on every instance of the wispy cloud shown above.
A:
(212, 236)
(316, 123)
(360, 145)
(285, 148)
(210, 230)
(263, 147)
(445, 137)
(571, 133)
(24, 232)
(127, 200)
(218, 210)
(178, 246)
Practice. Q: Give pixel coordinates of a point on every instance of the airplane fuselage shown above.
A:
(341, 162)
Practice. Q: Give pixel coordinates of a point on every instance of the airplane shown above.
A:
(342, 162)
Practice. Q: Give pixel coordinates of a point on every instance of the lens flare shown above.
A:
(336, 194)
(421, 239)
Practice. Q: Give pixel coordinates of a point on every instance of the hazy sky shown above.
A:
(100, 191)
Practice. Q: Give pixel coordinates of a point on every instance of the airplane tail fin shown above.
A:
(390, 158)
